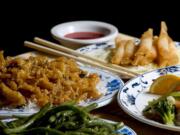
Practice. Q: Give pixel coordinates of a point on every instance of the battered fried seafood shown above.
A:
(166, 48)
(146, 52)
(123, 52)
(39, 80)
(160, 50)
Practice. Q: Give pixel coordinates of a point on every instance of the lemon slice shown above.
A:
(165, 84)
(176, 86)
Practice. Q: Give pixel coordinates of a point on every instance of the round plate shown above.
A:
(109, 85)
(134, 95)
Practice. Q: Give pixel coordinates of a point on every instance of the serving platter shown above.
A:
(109, 85)
(134, 96)
(102, 51)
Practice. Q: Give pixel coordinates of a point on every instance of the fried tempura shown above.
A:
(129, 51)
(40, 80)
(118, 51)
(166, 48)
(160, 50)
(146, 52)
(10, 96)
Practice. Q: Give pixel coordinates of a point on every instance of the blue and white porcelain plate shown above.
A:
(134, 96)
(125, 130)
(102, 51)
(109, 85)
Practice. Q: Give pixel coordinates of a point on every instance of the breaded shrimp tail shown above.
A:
(166, 46)
(118, 52)
(2, 60)
(129, 51)
(146, 52)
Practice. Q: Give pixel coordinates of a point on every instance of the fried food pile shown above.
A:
(160, 50)
(41, 80)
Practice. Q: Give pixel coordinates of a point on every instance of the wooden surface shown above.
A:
(115, 113)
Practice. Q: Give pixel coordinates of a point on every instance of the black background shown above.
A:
(22, 21)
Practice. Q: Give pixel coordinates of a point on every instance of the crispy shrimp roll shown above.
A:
(146, 52)
(168, 54)
(129, 51)
(118, 51)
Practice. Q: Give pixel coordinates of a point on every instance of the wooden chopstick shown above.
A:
(80, 59)
(73, 52)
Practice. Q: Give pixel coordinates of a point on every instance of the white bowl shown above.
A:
(59, 31)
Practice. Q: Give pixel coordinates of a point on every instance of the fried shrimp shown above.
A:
(166, 46)
(118, 51)
(129, 51)
(41, 80)
(146, 52)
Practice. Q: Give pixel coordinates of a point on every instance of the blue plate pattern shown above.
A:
(126, 131)
(107, 45)
(134, 95)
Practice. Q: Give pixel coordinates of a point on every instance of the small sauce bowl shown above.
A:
(77, 34)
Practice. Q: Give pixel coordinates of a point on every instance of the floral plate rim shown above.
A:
(137, 86)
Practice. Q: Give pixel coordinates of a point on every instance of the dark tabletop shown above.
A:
(22, 21)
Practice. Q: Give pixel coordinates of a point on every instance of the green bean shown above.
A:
(66, 113)
(90, 107)
(3, 125)
(75, 133)
(80, 113)
(29, 122)
(88, 130)
(18, 122)
(73, 102)
(66, 119)
(42, 130)
(118, 125)
(101, 124)
(64, 108)
(52, 119)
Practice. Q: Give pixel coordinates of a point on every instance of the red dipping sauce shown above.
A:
(84, 35)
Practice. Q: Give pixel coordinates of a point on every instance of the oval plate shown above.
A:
(134, 95)
(102, 51)
(109, 85)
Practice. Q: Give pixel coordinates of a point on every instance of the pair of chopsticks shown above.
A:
(59, 50)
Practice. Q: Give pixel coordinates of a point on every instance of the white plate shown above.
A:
(134, 95)
(109, 84)
(102, 51)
